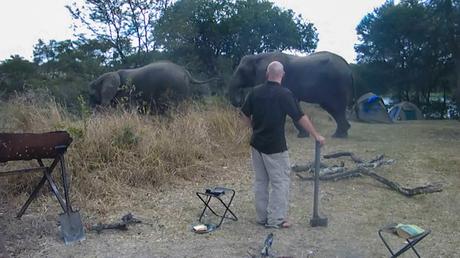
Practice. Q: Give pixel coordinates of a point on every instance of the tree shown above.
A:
(119, 23)
(398, 36)
(16, 74)
(84, 58)
(259, 26)
(206, 30)
(446, 17)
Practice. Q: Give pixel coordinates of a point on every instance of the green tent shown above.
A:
(405, 111)
(371, 109)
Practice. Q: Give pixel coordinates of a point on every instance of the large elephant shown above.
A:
(323, 78)
(157, 84)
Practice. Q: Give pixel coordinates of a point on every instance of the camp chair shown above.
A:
(217, 193)
(52, 145)
(411, 239)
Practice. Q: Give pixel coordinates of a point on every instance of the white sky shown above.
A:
(23, 22)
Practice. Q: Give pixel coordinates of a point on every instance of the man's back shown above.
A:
(268, 105)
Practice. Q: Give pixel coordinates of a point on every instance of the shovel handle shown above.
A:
(65, 183)
(316, 186)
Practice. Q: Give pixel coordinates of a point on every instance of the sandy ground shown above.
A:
(425, 152)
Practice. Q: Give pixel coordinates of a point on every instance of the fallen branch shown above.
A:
(344, 153)
(409, 192)
(336, 173)
(307, 167)
(332, 176)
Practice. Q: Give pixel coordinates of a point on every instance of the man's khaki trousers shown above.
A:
(271, 186)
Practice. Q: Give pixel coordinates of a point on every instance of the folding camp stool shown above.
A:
(218, 193)
(28, 146)
(410, 242)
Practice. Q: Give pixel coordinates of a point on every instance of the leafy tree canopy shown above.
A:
(127, 25)
(209, 29)
(16, 74)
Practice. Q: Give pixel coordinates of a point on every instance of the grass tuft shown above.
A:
(118, 149)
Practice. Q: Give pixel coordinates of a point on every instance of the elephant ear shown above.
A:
(260, 68)
(247, 70)
(109, 87)
(263, 61)
(94, 92)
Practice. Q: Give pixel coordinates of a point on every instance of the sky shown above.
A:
(23, 22)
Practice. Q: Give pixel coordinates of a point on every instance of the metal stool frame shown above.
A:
(411, 242)
(217, 192)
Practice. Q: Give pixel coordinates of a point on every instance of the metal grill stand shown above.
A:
(51, 145)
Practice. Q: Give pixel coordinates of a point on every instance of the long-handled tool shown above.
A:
(70, 221)
(317, 221)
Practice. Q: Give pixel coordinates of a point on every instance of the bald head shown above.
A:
(275, 71)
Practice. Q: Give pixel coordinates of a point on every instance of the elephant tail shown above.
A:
(353, 97)
(195, 81)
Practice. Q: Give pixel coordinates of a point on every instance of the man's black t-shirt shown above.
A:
(267, 106)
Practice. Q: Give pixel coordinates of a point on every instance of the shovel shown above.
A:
(70, 221)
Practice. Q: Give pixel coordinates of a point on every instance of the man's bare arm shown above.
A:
(308, 125)
(246, 120)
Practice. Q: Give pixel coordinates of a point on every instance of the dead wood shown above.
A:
(336, 173)
(342, 154)
(409, 192)
(332, 176)
(308, 167)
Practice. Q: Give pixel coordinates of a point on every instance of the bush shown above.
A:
(121, 147)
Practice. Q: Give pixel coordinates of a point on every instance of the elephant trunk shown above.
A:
(93, 97)
(235, 93)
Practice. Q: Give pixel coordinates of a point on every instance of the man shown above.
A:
(265, 110)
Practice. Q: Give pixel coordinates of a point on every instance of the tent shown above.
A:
(370, 108)
(405, 111)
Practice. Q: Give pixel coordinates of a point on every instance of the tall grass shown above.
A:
(119, 148)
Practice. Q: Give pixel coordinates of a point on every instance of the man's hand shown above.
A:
(320, 139)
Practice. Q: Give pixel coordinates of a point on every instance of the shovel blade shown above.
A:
(71, 227)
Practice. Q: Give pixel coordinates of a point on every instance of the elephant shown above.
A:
(323, 78)
(157, 85)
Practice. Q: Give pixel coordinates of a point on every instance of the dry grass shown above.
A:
(151, 166)
(117, 151)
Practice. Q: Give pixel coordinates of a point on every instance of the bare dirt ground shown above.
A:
(425, 152)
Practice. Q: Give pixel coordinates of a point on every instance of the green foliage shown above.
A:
(204, 30)
(371, 77)
(126, 25)
(16, 75)
(84, 109)
(125, 138)
(78, 57)
(411, 43)
(75, 132)
(446, 18)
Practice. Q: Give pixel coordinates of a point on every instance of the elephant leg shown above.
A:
(302, 133)
(340, 118)
(342, 126)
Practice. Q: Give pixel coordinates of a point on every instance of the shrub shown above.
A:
(121, 148)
